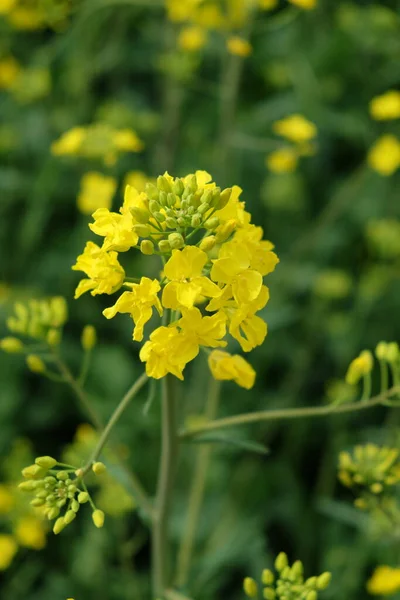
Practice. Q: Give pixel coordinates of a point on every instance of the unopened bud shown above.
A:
(53, 513)
(159, 216)
(176, 241)
(154, 206)
(11, 345)
(33, 472)
(269, 594)
(62, 475)
(214, 202)
(35, 363)
(147, 247)
(178, 187)
(46, 462)
(141, 215)
(171, 223)
(99, 468)
(163, 184)
(203, 208)
(281, 561)
(211, 223)
(83, 497)
(181, 221)
(75, 506)
(207, 243)
(224, 198)
(152, 191)
(171, 199)
(163, 199)
(267, 577)
(392, 353)
(196, 220)
(70, 515)
(312, 595)
(27, 486)
(142, 230)
(297, 569)
(192, 183)
(98, 518)
(324, 580)
(89, 337)
(250, 587)
(36, 502)
(53, 337)
(164, 246)
(59, 525)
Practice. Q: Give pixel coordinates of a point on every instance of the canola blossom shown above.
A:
(211, 286)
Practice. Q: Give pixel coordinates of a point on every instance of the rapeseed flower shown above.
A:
(225, 366)
(96, 191)
(192, 38)
(239, 46)
(384, 156)
(295, 128)
(305, 4)
(283, 160)
(386, 106)
(360, 366)
(385, 581)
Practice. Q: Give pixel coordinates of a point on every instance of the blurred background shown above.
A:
(181, 85)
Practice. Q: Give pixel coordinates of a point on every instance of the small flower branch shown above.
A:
(140, 494)
(293, 413)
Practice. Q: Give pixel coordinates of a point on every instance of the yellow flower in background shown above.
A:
(283, 160)
(102, 268)
(31, 85)
(8, 549)
(192, 38)
(139, 304)
(360, 366)
(6, 6)
(268, 4)
(386, 106)
(7, 499)
(306, 4)
(26, 18)
(385, 581)
(30, 532)
(137, 180)
(96, 191)
(239, 46)
(181, 10)
(9, 72)
(225, 366)
(69, 143)
(295, 128)
(384, 156)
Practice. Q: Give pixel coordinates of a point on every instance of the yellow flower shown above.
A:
(137, 180)
(386, 106)
(6, 6)
(234, 209)
(181, 10)
(283, 160)
(209, 16)
(238, 46)
(225, 366)
(167, 351)
(96, 191)
(30, 533)
(306, 4)
(267, 4)
(232, 267)
(116, 229)
(384, 156)
(192, 38)
(8, 549)
(102, 268)
(295, 128)
(385, 581)
(262, 258)
(9, 72)
(204, 331)
(6, 499)
(186, 282)
(139, 304)
(70, 142)
(245, 326)
(126, 140)
(360, 366)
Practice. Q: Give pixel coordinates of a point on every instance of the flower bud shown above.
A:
(62, 475)
(376, 488)
(75, 506)
(36, 502)
(192, 184)
(89, 337)
(312, 595)
(46, 462)
(311, 582)
(27, 486)
(171, 223)
(154, 206)
(152, 191)
(267, 577)
(203, 208)
(53, 337)
(250, 587)
(281, 561)
(196, 220)
(141, 215)
(141, 230)
(171, 199)
(211, 223)
(70, 515)
(98, 518)
(207, 243)
(159, 216)
(224, 198)
(147, 247)
(206, 197)
(59, 311)
(178, 187)
(181, 221)
(269, 594)
(33, 472)
(53, 513)
(163, 184)
(392, 353)
(99, 468)
(83, 497)
(163, 199)
(297, 569)
(176, 241)
(11, 345)
(59, 525)
(214, 202)
(164, 246)
(35, 363)
(185, 203)
(324, 580)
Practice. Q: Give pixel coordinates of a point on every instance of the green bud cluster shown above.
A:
(288, 584)
(58, 488)
(370, 466)
(175, 209)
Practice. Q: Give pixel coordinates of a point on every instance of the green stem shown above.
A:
(290, 413)
(384, 375)
(196, 492)
(367, 386)
(138, 491)
(168, 458)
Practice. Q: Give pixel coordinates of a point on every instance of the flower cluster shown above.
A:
(289, 584)
(300, 132)
(58, 487)
(384, 156)
(371, 466)
(97, 141)
(213, 258)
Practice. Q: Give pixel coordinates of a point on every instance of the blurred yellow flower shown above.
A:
(225, 366)
(209, 16)
(137, 180)
(9, 72)
(6, 6)
(181, 10)
(6, 499)
(26, 17)
(386, 106)
(238, 46)
(283, 160)
(8, 549)
(295, 128)
(385, 581)
(306, 4)
(268, 4)
(69, 142)
(31, 85)
(192, 38)
(360, 366)
(332, 284)
(97, 191)
(384, 156)
(30, 532)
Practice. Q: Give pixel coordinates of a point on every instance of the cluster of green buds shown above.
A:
(288, 583)
(59, 488)
(388, 354)
(373, 467)
(176, 210)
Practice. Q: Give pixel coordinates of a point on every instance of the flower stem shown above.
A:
(168, 459)
(196, 492)
(290, 413)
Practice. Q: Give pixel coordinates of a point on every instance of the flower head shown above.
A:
(105, 274)
(385, 581)
(386, 106)
(384, 156)
(225, 366)
(295, 128)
